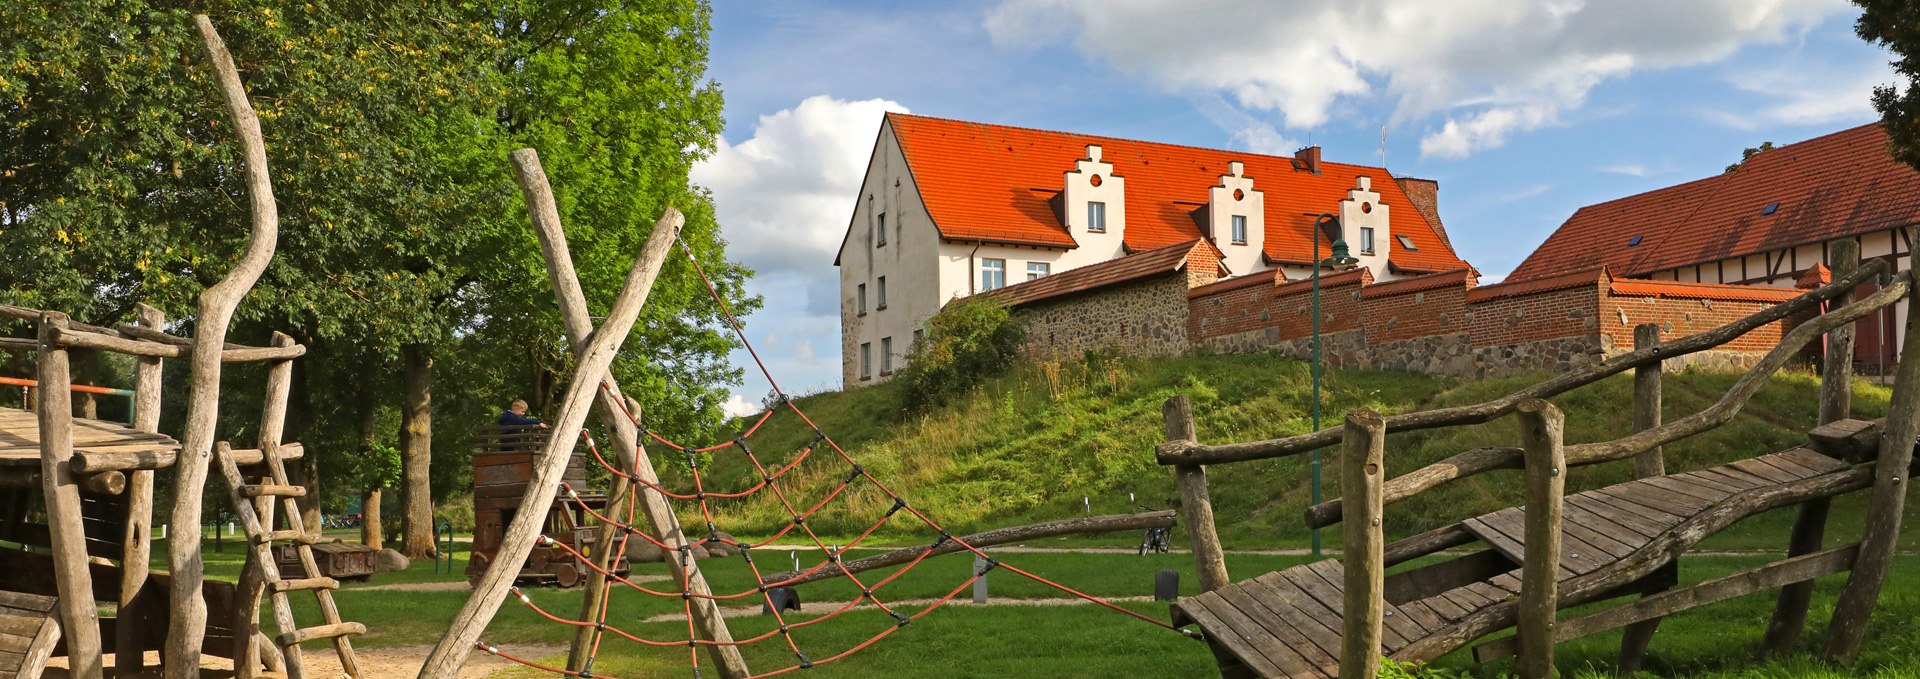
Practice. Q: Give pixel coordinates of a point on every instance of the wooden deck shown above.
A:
(1288, 623)
(20, 439)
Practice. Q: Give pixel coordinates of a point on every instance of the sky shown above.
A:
(1523, 111)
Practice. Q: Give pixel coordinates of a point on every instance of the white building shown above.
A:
(951, 208)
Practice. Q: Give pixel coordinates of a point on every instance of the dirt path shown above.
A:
(400, 662)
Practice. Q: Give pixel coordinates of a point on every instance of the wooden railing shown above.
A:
(1545, 458)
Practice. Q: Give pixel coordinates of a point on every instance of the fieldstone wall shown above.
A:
(1141, 318)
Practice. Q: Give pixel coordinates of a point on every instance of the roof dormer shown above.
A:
(1236, 219)
(1095, 204)
(1364, 225)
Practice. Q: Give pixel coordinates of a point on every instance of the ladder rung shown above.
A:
(301, 636)
(291, 535)
(300, 584)
(257, 490)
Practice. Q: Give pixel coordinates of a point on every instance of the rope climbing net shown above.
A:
(769, 483)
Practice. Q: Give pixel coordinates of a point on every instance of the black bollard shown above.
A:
(1166, 585)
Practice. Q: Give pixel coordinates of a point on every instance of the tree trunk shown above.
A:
(416, 449)
(371, 533)
(307, 472)
(86, 370)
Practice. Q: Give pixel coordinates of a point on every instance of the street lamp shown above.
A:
(1339, 259)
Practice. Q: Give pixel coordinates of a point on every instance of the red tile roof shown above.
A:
(1360, 275)
(1816, 276)
(1508, 288)
(1841, 184)
(1444, 279)
(993, 182)
(1261, 277)
(1166, 260)
(1629, 287)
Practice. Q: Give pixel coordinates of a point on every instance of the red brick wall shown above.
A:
(1418, 313)
(1681, 317)
(1512, 319)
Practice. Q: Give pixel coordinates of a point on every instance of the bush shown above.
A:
(969, 341)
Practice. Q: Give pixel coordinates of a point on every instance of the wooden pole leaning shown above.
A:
(253, 581)
(1362, 469)
(80, 622)
(129, 658)
(1888, 500)
(1541, 430)
(217, 304)
(1647, 400)
(1810, 527)
(1196, 504)
(464, 631)
(613, 414)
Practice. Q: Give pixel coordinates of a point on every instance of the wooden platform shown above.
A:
(20, 439)
(1288, 623)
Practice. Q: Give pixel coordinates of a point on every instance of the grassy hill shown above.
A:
(1030, 445)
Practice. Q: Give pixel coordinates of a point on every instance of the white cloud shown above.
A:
(1798, 94)
(737, 406)
(784, 196)
(1489, 68)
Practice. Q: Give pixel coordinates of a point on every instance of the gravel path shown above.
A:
(399, 662)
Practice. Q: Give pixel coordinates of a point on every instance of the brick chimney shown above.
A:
(1309, 158)
(1424, 194)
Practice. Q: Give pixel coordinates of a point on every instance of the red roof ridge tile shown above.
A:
(1641, 287)
(1362, 276)
(1815, 276)
(1234, 283)
(1464, 276)
(1594, 276)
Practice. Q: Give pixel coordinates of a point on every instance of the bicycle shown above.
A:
(1156, 539)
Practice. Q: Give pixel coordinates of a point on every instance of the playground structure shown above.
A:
(1525, 564)
(79, 493)
(503, 459)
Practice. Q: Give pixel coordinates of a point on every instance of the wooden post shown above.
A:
(1888, 498)
(1836, 403)
(80, 623)
(1196, 505)
(465, 629)
(273, 420)
(613, 408)
(129, 652)
(217, 303)
(1362, 469)
(1541, 427)
(1646, 415)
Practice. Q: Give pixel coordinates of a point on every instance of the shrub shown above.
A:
(970, 340)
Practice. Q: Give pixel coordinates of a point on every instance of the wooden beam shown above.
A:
(135, 347)
(1541, 431)
(1362, 467)
(1416, 546)
(1803, 568)
(1196, 501)
(78, 617)
(162, 459)
(998, 536)
(217, 303)
(458, 641)
(1647, 400)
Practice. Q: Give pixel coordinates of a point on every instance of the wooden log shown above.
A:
(1647, 399)
(1850, 440)
(1810, 527)
(1658, 553)
(998, 536)
(1196, 501)
(162, 459)
(103, 483)
(1888, 500)
(18, 344)
(216, 308)
(1430, 542)
(619, 415)
(254, 580)
(1803, 568)
(458, 641)
(1486, 459)
(67, 532)
(148, 349)
(1362, 468)
(333, 631)
(1187, 452)
(129, 654)
(1541, 430)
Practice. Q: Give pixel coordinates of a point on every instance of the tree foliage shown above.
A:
(970, 340)
(1895, 25)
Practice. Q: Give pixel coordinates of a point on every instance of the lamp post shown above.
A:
(1338, 258)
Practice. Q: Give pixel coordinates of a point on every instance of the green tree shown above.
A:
(1895, 25)
(1748, 154)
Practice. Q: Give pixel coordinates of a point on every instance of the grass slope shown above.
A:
(1029, 445)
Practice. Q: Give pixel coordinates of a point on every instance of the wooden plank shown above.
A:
(1307, 580)
(1219, 633)
(1661, 489)
(1820, 464)
(1786, 464)
(1602, 543)
(1640, 499)
(1444, 607)
(1716, 490)
(1760, 468)
(1734, 477)
(1305, 656)
(1312, 619)
(1796, 569)
(1578, 557)
(1390, 616)
(35, 659)
(1598, 506)
(1246, 638)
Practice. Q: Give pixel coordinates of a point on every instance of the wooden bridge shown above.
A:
(1338, 618)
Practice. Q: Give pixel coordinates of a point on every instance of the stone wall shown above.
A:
(1138, 318)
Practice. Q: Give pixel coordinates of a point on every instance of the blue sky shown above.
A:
(1524, 111)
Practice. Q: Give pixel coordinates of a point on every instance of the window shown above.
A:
(862, 308)
(1097, 217)
(1406, 243)
(918, 335)
(993, 274)
(883, 294)
(866, 360)
(886, 355)
(880, 238)
(1239, 230)
(1038, 270)
(1366, 240)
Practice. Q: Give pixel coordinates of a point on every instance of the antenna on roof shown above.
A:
(1383, 147)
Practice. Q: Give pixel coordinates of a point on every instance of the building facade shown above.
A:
(950, 209)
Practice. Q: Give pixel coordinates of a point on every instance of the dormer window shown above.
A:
(1239, 229)
(1096, 217)
(1406, 243)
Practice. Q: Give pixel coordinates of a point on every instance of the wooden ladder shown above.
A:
(264, 573)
